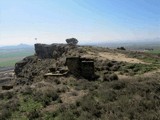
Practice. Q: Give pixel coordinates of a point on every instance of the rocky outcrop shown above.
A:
(19, 66)
(50, 51)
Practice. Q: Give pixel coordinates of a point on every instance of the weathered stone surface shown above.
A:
(81, 67)
(20, 65)
(50, 51)
(59, 71)
(87, 69)
(73, 64)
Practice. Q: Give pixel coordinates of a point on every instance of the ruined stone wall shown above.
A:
(81, 67)
(73, 64)
(50, 51)
(87, 69)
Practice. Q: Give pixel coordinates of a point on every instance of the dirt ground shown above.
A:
(113, 56)
(119, 57)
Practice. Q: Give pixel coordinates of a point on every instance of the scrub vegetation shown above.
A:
(123, 90)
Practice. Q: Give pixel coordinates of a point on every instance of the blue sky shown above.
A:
(87, 20)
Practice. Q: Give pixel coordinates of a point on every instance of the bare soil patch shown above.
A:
(119, 57)
(113, 57)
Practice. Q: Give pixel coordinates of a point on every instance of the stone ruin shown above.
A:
(57, 71)
(50, 51)
(76, 65)
(81, 67)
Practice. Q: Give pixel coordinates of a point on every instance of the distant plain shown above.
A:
(10, 55)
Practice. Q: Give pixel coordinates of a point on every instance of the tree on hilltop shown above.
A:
(72, 41)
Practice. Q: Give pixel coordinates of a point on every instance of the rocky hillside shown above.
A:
(69, 82)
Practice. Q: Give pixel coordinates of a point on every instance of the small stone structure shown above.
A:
(87, 69)
(58, 72)
(50, 51)
(81, 67)
(73, 64)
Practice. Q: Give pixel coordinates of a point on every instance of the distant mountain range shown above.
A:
(20, 46)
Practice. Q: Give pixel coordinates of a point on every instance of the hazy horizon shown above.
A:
(52, 21)
(102, 43)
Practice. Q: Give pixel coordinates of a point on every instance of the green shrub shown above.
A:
(4, 114)
(45, 95)
(62, 89)
(7, 95)
(118, 85)
(57, 81)
(27, 90)
(33, 115)
(29, 105)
